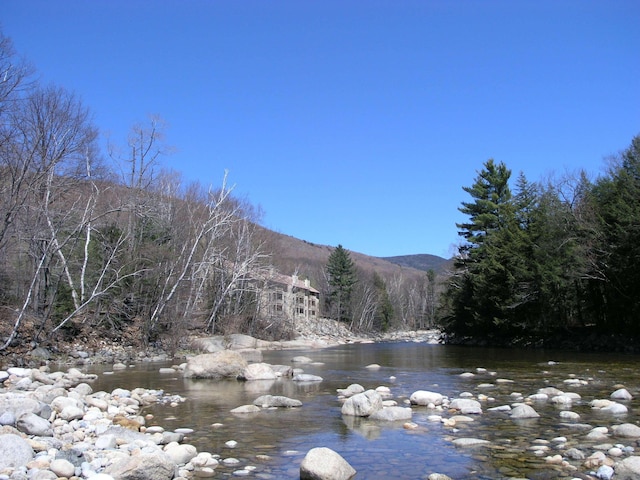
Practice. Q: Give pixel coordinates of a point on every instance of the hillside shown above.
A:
(306, 259)
(422, 261)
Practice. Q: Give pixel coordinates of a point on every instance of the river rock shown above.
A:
(569, 415)
(282, 370)
(627, 430)
(621, 394)
(550, 391)
(258, 371)
(266, 401)
(180, 454)
(392, 414)
(246, 409)
(306, 377)
(470, 442)
(32, 424)
(362, 404)
(240, 341)
(351, 390)
(62, 468)
(523, 411)
(615, 408)
(425, 397)
(322, 463)
(466, 406)
(145, 466)
(18, 404)
(218, 365)
(605, 472)
(301, 359)
(209, 344)
(14, 451)
(628, 469)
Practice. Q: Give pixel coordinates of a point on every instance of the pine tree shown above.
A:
(341, 273)
(475, 298)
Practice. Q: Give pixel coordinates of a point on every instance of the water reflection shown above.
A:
(387, 450)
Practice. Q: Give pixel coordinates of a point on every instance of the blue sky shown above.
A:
(351, 122)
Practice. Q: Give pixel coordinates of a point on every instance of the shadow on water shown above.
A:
(387, 449)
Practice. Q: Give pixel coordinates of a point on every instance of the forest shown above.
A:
(547, 259)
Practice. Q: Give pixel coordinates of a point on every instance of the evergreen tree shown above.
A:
(475, 298)
(617, 203)
(341, 274)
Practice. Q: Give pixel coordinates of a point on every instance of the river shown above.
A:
(275, 441)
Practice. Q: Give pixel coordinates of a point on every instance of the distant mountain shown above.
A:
(422, 261)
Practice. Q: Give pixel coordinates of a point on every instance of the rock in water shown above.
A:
(322, 463)
(218, 365)
(425, 397)
(362, 404)
(523, 411)
(266, 401)
(392, 414)
(258, 371)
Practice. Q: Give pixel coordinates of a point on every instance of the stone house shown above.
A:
(289, 297)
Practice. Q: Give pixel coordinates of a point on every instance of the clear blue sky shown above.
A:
(351, 122)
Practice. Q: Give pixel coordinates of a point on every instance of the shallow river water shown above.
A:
(275, 441)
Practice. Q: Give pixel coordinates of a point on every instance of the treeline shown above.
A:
(371, 302)
(548, 258)
(108, 243)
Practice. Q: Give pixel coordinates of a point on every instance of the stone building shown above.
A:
(289, 297)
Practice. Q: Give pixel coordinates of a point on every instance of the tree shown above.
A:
(491, 194)
(475, 297)
(384, 310)
(616, 201)
(341, 276)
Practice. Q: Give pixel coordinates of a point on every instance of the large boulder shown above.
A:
(15, 451)
(208, 344)
(218, 365)
(146, 466)
(362, 404)
(322, 463)
(258, 371)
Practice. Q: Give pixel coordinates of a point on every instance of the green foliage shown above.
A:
(616, 277)
(341, 273)
(548, 258)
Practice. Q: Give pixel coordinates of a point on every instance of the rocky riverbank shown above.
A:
(55, 426)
